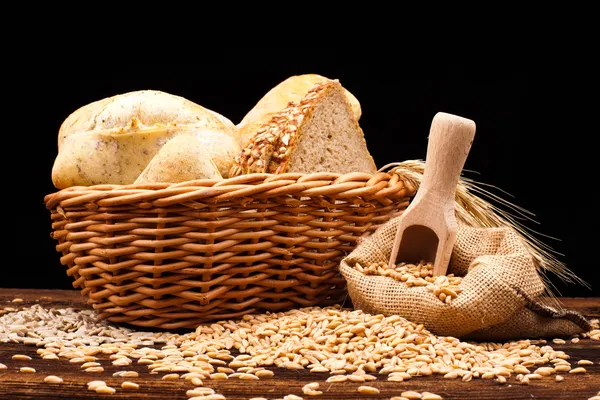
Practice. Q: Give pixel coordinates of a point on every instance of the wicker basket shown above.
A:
(176, 255)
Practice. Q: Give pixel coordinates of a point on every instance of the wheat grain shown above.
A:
(197, 382)
(367, 390)
(199, 392)
(90, 364)
(430, 396)
(265, 373)
(93, 385)
(411, 395)
(53, 379)
(130, 385)
(578, 370)
(105, 390)
(292, 397)
(126, 374)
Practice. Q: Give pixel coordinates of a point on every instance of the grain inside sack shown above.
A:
(495, 289)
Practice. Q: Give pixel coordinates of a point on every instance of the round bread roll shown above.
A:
(111, 141)
(183, 158)
(222, 148)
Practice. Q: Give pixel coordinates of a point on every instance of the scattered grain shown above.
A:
(27, 370)
(310, 389)
(130, 385)
(451, 375)
(90, 364)
(94, 369)
(105, 390)
(367, 390)
(53, 379)
(337, 379)
(265, 373)
(357, 378)
(197, 382)
(411, 395)
(292, 397)
(248, 377)
(199, 392)
(430, 396)
(544, 371)
(122, 362)
(126, 374)
(578, 370)
(93, 385)
(349, 345)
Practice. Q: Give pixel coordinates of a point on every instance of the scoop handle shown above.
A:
(450, 140)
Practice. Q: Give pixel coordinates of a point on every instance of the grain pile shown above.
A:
(348, 345)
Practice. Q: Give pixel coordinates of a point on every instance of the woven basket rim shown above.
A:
(263, 185)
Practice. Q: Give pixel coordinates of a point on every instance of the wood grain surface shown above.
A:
(18, 385)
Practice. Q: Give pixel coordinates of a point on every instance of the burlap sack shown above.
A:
(501, 294)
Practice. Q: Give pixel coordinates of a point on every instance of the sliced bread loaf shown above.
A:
(294, 89)
(320, 133)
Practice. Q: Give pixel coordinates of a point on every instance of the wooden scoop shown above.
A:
(427, 229)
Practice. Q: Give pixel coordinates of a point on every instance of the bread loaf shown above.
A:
(111, 141)
(183, 158)
(293, 89)
(320, 133)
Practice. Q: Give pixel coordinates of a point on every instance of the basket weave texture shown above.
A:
(176, 255)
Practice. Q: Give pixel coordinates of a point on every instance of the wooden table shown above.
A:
(16, 385)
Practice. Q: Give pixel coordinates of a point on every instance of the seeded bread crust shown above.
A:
(293, 89)
(281, 156)
(274, 140)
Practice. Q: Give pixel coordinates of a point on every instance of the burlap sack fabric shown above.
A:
(501, 294)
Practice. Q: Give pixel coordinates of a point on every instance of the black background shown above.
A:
(534, 136)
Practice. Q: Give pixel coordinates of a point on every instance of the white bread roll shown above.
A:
(111, 141)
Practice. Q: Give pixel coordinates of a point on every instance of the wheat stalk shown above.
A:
(472, 208)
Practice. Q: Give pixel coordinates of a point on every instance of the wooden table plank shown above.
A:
(17, 385)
